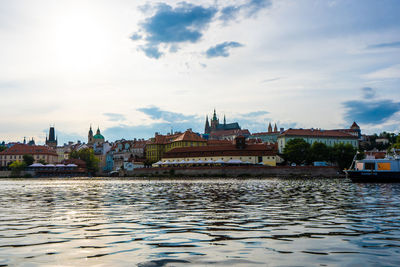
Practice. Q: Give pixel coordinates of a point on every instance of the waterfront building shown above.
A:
(271, 136)
(51, 139)
(327, 137)
(239, 150)
(17, 152)
(126, 151)
(160, 144)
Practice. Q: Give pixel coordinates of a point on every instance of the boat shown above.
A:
(371, 170)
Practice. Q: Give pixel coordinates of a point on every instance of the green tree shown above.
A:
(28, 159)
(343, 155)
(296, 151)
(87, 155)
(42, 161)
(319, 152)
(2, 148)
(16, 167)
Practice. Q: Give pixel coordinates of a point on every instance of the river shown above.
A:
(268, 222)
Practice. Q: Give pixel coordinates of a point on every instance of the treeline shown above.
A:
(300, 152)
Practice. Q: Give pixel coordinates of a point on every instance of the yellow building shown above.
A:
(160, 144)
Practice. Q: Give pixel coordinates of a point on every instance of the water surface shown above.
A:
(273, 222)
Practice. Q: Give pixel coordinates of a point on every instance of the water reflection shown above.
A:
(208, 222)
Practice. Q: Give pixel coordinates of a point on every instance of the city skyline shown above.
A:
(135, 68)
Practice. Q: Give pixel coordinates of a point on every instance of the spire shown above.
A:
(207, 126)
(275, 128)
(269, 127)
(214, 116)
(224, 120)
(98, 130)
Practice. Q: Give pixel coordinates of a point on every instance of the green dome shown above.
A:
(98, 136)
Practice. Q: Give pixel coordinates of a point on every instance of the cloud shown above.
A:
(221, 50)
(115, 116)
(370, 112)
(368, 92)
(392, 72)
(271, 80)
(255, 114)
(249, 9)
(156, 113)
(385, 45)
(170, 26)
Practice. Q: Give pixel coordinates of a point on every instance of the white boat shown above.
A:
(373, 170)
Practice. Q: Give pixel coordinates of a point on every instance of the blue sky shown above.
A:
(135, 67)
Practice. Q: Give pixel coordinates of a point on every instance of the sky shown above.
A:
(134, 68)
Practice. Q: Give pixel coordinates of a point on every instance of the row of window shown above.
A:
(21, 157)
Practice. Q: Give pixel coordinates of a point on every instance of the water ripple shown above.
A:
(205, 222)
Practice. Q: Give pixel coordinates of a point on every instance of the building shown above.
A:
(51, 139)
(214, 125)
(327, 137)
(124, 151)
(214, 130)
(271, 136)
(17, 152)
(160, 144)
(98, 138)
(239, 149)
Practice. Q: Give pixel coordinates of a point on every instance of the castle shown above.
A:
(215, 126)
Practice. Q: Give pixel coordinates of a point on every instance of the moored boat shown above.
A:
(373, 170)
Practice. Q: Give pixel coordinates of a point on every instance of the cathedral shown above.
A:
(215, 126)
(97, 139)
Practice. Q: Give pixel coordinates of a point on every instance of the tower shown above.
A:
(214, 121)
(51, 141)
(275, 128)
(90, 136)
(269, 127)
(207, 129)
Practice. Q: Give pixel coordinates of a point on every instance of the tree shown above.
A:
(42, 161)
(16, 167)
(28, 159)
(343, 155)
(296, 151)
(319, 152)
(87, 155)
(2, 148)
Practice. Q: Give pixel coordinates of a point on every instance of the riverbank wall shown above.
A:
(239, 171)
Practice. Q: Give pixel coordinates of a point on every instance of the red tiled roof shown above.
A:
(264, 133)
(188, 136)
(21, 149)
(318, 133)
(221, 150)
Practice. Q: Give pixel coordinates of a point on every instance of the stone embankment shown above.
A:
(240, 171)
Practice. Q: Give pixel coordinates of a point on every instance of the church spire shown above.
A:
(275, 128)
(207, 126)
(214, 116)
(224, 120)
(269, 127)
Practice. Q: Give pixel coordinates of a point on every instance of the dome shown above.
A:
(98, 136)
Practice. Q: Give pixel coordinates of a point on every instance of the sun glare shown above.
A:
(80, 39)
